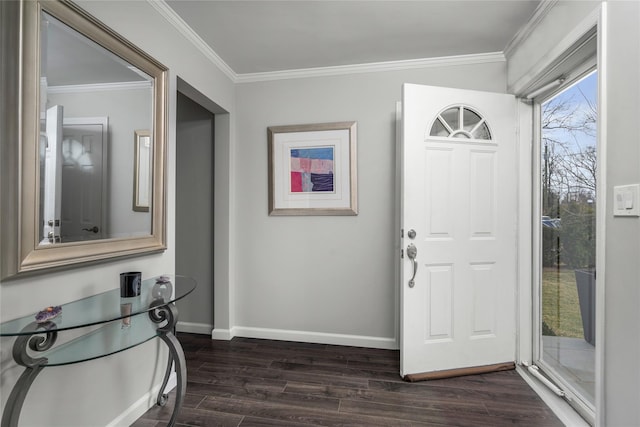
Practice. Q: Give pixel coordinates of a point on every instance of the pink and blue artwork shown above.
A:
(312, 170)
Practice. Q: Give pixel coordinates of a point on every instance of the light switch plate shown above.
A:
(626, 199)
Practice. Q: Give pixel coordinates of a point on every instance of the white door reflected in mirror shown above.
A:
(51, 145)
(84, 176)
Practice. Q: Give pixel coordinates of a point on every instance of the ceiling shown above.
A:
(69, 59)
(266, 36)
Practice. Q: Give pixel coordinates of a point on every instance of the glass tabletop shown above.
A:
(105, 307)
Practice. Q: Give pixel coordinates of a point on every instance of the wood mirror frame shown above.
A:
(20, 250)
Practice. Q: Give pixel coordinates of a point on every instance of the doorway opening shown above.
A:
(195, 211)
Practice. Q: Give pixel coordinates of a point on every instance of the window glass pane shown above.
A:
(449, 124)
(482, 132)
(452, 117)
(568, 173)
(470, 119)
(438, 129)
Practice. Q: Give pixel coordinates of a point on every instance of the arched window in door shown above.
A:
(460, 121)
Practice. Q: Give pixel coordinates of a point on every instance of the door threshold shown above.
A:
(557, 404)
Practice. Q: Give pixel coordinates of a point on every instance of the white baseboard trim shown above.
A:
(222, 334)
(142, 405)
(194, 328)
(316, 337)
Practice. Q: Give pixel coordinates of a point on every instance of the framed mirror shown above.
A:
(83, 92)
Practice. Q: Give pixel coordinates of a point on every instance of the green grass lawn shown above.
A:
(560, 306)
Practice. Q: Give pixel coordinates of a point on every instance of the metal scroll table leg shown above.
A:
(11, 413)
(176, 355)
(162, 396)
(13, 407)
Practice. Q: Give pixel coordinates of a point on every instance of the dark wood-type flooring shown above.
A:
(251, 382)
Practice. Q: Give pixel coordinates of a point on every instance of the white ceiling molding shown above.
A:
(174, 19)
(99, 87)
(372, 67)
(538, 15)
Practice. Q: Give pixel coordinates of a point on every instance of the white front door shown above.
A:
(459, 211)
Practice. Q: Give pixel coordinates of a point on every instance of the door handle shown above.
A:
(94, 229)
(412, 252)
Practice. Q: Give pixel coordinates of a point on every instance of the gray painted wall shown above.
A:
(622, 242)
(195, 212)
(327, 279)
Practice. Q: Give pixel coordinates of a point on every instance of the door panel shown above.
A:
(438, 167)
(459, 195)
(483, 201)
(439, 300)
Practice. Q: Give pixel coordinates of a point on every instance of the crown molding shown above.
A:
(99, 87)
(374, 67)
(174, 19)
(538, 15)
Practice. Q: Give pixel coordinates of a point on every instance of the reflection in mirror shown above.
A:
(75, 160)
(142, 171)
(81, 196)
(83, 91)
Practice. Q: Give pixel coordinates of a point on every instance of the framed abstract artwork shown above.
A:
(312, 169)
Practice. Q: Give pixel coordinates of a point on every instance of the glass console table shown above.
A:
(117, 325)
